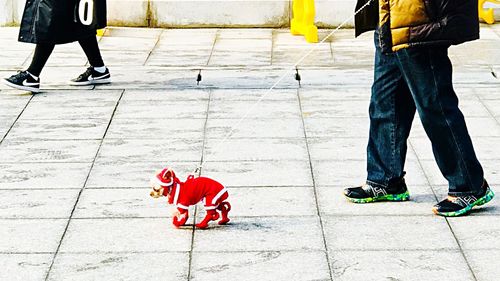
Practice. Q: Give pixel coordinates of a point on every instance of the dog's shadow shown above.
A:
(233, 225)
(190, 226)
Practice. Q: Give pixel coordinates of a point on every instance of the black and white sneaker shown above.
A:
(92, 77)
(373, 192)
(23, 80)
(455, 206)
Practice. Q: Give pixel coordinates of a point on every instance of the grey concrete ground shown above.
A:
(75, 163)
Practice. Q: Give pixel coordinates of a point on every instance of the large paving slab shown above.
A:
(338, 126)
(118, 266)
(156, 150)
(25, 267)
(267, 234)
(37, 203)
(292, 265)
(272, 201)
(391, 233)
(260, 173)
(43, 175)
(255, 128)
(479, 260)
(59, 129)
(45, 235)
(353, 173)
(76, 110)
(124, 235)
(161, 128)
(256, 149)
(399, 265)
(23, 151)
(477, 232)
(120, 203)
(161, 110)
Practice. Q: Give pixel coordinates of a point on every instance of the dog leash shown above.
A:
(292, 68)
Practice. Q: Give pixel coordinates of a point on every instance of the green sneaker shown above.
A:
(372, 192)
(462, 205)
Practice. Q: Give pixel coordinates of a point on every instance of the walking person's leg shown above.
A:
(391, 114)
(29, 80)
(97, 73)
(91, 49)
(428, 72)
(40, 58)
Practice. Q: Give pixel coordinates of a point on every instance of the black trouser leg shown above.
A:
(42, 54)
(91, 49)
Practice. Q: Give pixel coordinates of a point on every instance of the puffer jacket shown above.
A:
(407, 23)
(61, 21)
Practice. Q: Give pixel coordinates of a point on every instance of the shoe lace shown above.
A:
(87, 73)
(462, 200)
(20, 74)
(374, 190)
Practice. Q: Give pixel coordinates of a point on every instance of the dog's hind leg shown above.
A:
(212, 215)
(224, 208)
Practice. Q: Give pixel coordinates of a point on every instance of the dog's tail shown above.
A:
(224, 206)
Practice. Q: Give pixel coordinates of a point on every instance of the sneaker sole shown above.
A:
(94, 82)
(479, 202)
(389, 197)
(23, 88)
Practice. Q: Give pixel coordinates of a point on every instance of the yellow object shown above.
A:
(487, 15)
(303, 20)
(100, 32)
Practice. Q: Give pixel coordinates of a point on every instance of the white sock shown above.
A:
(34, 77)
(101, 69)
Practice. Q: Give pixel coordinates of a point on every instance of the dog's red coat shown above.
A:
(192, 191)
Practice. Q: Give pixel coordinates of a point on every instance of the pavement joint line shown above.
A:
(331, 52)
(323, 214)
(190, 262)
(281, 66)
(457, 241)
(273, 43)
(166, 251)
(15, 121)
(490, 113)
(83, 187)
(26, 253)
(144, 187)
(41, 139)
(318, 214)
(216, 39)
(44, 162)
(154, 46)
(449, 250)
(202, 87)
(247, 217)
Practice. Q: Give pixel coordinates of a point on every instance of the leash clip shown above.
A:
(197, 171)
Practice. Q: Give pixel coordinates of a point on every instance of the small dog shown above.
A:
(190, 192)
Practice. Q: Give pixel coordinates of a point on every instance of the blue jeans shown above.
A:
(419, 79)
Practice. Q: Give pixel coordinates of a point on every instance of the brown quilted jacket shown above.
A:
(408, 23)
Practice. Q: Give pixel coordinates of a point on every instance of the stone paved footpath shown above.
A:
(75, 163)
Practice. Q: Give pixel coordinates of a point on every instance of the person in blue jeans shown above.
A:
(413, 72)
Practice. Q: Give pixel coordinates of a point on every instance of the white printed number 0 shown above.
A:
(89, 6)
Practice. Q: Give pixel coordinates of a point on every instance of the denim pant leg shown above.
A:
(391, 114)
(428, 73)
